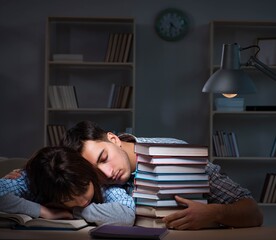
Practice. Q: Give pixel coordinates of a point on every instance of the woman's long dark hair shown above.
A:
(57, 174)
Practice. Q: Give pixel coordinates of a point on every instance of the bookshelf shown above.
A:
(255, 130)
(82, 81)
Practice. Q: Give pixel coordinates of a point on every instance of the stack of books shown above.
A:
(163, 171)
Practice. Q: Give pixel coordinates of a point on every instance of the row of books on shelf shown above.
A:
(55, 133)
(63, 97)
(225, 144)
(119, 47)
(120, 96)
(268, 194)
(163, 171)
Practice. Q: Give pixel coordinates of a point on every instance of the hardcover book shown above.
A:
(126, 232)
(170, 168)
(155, 212)
(167, 196)
(178, 149)
(22, 221)
(147, 221)
(163, 203)
(170, 160)
(170, 190)
(171, 177)
(171, 184)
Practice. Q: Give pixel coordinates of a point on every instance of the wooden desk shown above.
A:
(259, 233)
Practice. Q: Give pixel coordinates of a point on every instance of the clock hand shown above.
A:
(173, 29)
(172, 25)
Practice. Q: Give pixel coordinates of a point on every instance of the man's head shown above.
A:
(61, 176)
(102, 149)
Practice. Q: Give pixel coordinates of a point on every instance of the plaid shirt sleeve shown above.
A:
(118, 194)
(222, 188)
(16, 186)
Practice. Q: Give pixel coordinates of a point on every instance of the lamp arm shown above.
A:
(253, 61)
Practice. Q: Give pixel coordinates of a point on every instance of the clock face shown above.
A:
(171, 24)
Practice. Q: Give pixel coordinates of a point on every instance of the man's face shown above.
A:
(109, 158)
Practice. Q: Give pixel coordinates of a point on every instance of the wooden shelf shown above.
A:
(76, 58)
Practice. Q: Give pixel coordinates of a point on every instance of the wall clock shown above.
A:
(171, 24)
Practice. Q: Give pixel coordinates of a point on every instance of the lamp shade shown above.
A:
(230, 78)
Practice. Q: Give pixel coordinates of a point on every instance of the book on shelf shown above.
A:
(113, 47)
(126, 96)
(170, 184)
(111, 95)
(55, 133)
(225, 144)
(163, 202)
(128, 47)
(170, 159)
(127, 232)
(273, 149)
(171, 177)
(268, 194)
(172, 149)
(169, 168)
(123, 47)
(109, 47)
(119, 96)
(118, 47)
(148, 221)
(22, 221)
(63, 97)
(155, 212)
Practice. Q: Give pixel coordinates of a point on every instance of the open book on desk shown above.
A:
(22, 221)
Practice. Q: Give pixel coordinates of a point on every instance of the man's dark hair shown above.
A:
(57, 174)
(81, 132)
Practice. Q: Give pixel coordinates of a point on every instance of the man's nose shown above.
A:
(108, 172)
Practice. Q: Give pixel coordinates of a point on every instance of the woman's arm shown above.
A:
(12, 197)
(14, 204)
(118, 209)
(15, 198)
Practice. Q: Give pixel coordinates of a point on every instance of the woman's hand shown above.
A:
(14, 174)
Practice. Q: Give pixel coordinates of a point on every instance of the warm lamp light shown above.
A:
(230, 80)
(229, 95)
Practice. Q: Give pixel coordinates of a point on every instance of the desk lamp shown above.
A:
(230, 80)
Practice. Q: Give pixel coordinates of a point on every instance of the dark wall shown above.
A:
(169, 76)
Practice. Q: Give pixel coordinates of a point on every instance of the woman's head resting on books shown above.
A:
(61, 176)
(102, 149)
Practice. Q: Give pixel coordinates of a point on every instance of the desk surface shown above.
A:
(258, 233)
